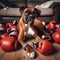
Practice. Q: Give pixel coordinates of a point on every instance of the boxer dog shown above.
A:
(26, 28)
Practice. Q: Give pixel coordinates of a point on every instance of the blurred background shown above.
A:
(10, 9)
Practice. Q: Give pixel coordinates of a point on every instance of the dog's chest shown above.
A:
(28, 30)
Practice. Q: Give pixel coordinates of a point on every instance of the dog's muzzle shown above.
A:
(28, 17)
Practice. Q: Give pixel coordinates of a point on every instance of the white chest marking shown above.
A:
(29, 31)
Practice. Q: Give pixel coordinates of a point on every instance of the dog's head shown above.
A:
(30, 13)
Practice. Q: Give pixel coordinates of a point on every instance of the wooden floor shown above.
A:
(21, 54)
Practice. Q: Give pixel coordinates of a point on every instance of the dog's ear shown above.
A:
(22, 8)
(37, 12)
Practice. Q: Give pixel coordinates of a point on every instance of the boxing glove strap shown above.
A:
(24, 46)
(13, 29)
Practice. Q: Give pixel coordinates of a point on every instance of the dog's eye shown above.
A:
(27, 13)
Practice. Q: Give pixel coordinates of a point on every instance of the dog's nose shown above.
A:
(30, 16)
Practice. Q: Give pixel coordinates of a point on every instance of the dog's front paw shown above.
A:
(31, 55)
(30, 51)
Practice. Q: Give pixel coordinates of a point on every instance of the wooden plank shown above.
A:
(58, 46)
(20, 55)
(9, 56)
(1, 53)
(57, 54)
(47, 57)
